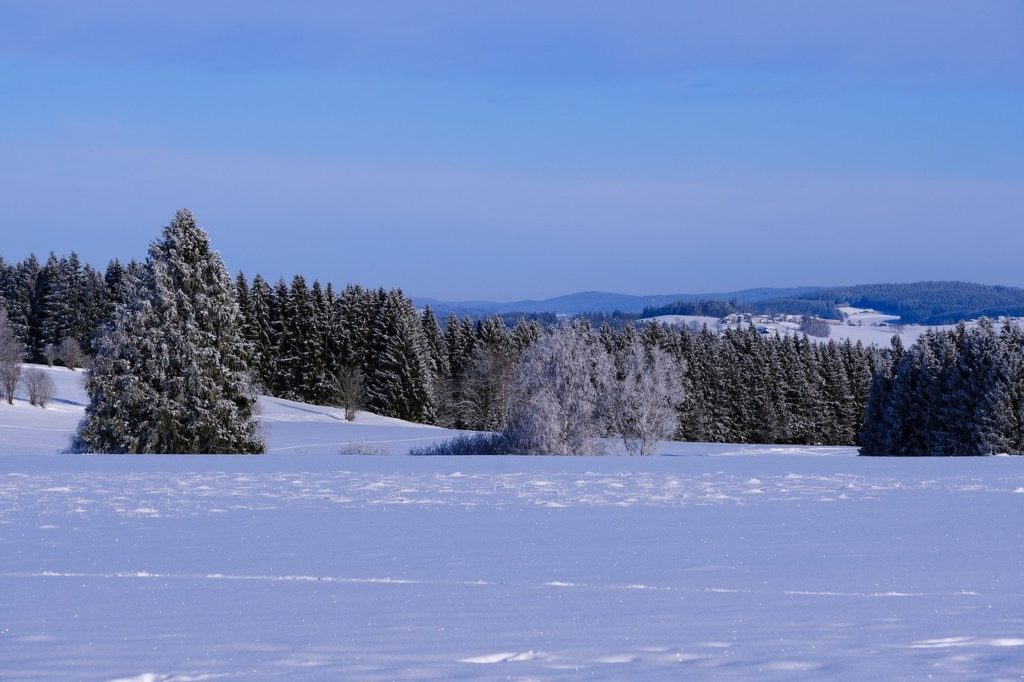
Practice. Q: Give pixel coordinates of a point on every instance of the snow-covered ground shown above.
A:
(289, 426)
(718, 562)
(861, 324)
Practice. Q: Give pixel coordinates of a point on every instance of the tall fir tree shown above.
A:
(169, 376)
(398, 375)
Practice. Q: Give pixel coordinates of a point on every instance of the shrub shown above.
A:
(468, 444)
(39, 386)
(362, 448)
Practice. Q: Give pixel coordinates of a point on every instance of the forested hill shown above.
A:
(925, 302)
(600, 302)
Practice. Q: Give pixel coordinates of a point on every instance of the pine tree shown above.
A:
(435, 343)
(169, 376)
(986, 371)
(280, 383)
(324, 374)
(257, 331)
(398, 375)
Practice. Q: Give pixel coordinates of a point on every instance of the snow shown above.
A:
(289, 426)
(866, 316)
(711, 561)
(868, 326)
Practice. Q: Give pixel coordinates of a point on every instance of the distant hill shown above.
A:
(914, 303)
(600, 302)
(923, 302)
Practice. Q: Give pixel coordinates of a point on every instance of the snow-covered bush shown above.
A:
(362, 448)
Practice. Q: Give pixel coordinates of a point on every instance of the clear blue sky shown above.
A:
(524, 149)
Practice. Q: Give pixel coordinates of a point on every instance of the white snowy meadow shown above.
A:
(709, 561)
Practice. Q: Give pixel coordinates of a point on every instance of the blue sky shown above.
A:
(508, 150)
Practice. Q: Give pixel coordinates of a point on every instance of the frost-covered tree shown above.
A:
(12, 354)
(645, 401)
(70, 353)
(397, 362)
(350, 391)
(169, 374)
(558, 401)
(258, 332)
(50, 354)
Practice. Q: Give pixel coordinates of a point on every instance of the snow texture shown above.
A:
(721, 561)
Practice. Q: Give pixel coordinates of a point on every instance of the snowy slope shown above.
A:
(290, 427)
(712, 562)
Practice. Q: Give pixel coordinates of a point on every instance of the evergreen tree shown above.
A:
(439, 363)
(323, 360)
(259, 334)
(169, 376)
(398, 373)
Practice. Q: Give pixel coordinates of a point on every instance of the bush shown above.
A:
(358, 447)
(468, 444)
(39, 386)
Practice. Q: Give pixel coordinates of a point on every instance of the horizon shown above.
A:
(469, 152)
(430, 300)
(102, 263)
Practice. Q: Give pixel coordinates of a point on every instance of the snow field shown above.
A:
(714, 561)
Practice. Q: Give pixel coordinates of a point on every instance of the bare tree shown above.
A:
(39, 386)
(350, 391)
(12, 354)
(51, 353)
(486, 389)
(560, 388)
(644, 404)
(71, 353)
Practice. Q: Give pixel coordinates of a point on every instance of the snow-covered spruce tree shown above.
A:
(397, 362)
(951, 393)
(258, 333)
(558, 401)
(169, 374)
(645, 402)
(875, 437)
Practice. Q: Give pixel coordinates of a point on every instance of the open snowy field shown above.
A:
(713, 562)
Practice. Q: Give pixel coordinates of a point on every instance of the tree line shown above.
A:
(954, 392)
(180, 343)
(930, 303)
(373, 349)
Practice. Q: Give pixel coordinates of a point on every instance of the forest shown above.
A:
(373, 349)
